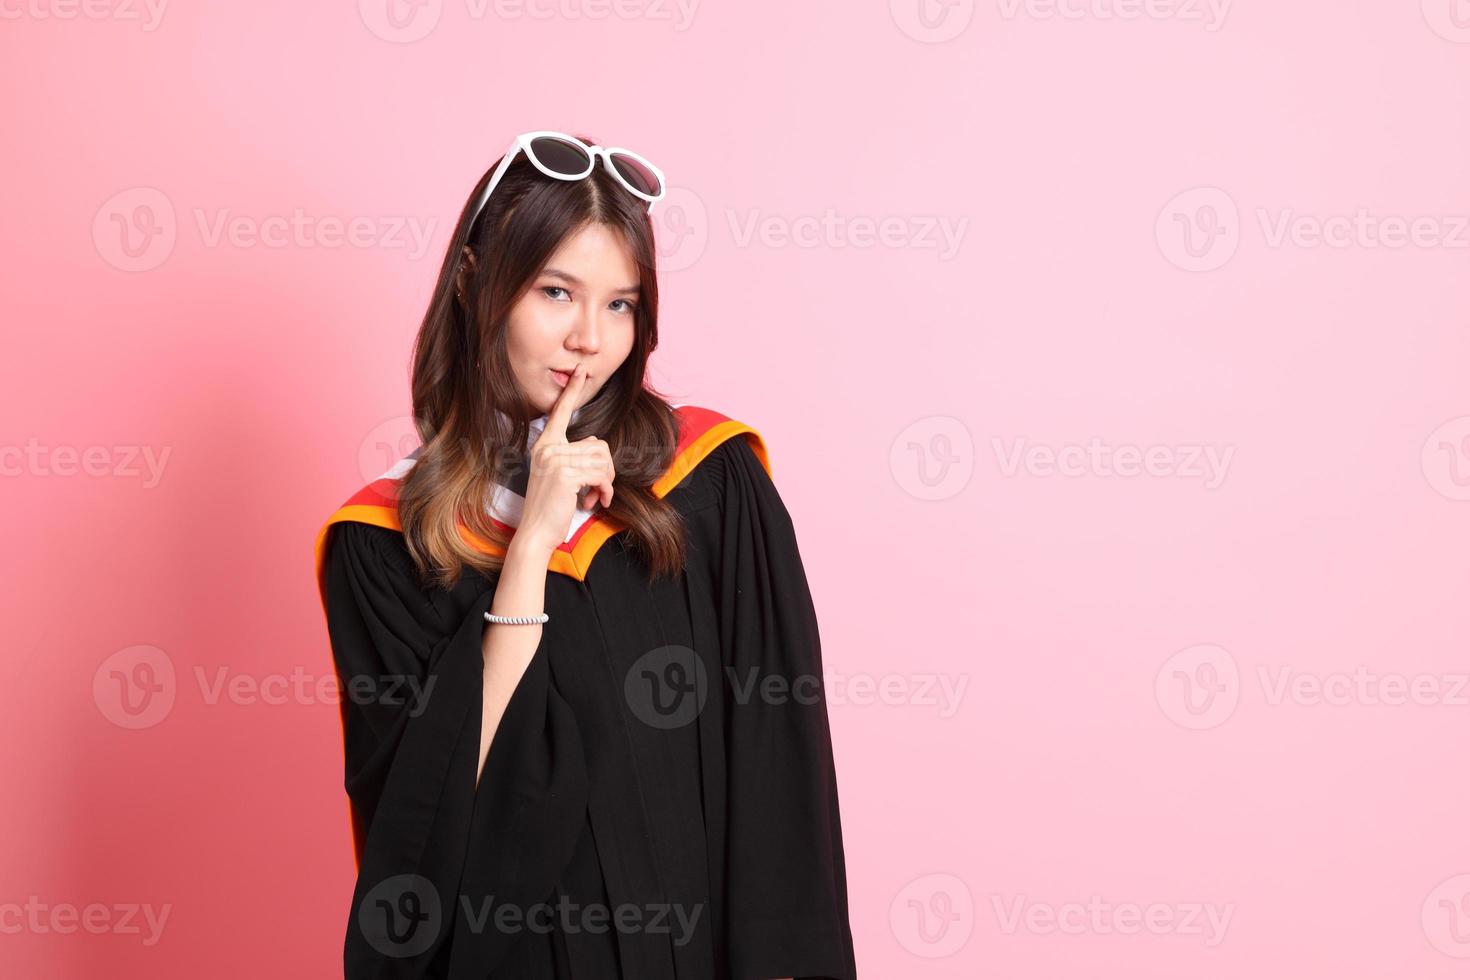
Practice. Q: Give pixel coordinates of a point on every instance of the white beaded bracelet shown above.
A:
(517, 620)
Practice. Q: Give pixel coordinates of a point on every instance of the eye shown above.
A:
(630, 307)
(548, 289)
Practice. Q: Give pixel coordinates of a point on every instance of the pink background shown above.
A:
(1115, 186)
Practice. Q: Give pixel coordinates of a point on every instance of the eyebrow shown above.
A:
(559, 274)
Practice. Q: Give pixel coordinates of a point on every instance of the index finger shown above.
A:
(561, 412)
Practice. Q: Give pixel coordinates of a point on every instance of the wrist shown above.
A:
(523, 547)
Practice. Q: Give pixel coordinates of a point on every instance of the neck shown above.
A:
(536, 425)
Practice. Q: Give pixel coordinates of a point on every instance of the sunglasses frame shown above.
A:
(523, 143)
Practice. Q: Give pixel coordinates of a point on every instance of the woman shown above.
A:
(582, 718)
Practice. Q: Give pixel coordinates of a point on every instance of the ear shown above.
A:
(465, 272)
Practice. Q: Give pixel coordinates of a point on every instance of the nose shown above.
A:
(586, 335)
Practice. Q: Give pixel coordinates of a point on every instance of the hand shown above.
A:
(561, 471)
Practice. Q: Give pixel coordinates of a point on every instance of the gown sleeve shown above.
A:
(407, 703)
(784, 867)
(411, 669)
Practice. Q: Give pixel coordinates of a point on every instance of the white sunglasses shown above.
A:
(568, 158)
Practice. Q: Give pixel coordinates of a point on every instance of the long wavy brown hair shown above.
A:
(462, 376)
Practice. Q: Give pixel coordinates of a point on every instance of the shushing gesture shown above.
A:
(563, 474)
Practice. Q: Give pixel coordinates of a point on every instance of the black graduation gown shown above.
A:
(660, 798)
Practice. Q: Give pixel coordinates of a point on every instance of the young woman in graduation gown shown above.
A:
(629, 773)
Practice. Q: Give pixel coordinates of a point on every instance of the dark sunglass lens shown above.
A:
(560, 155)
(636, 173)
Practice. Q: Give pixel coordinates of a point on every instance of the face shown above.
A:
(579, 310)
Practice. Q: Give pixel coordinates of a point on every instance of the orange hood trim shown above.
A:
(701, 430)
